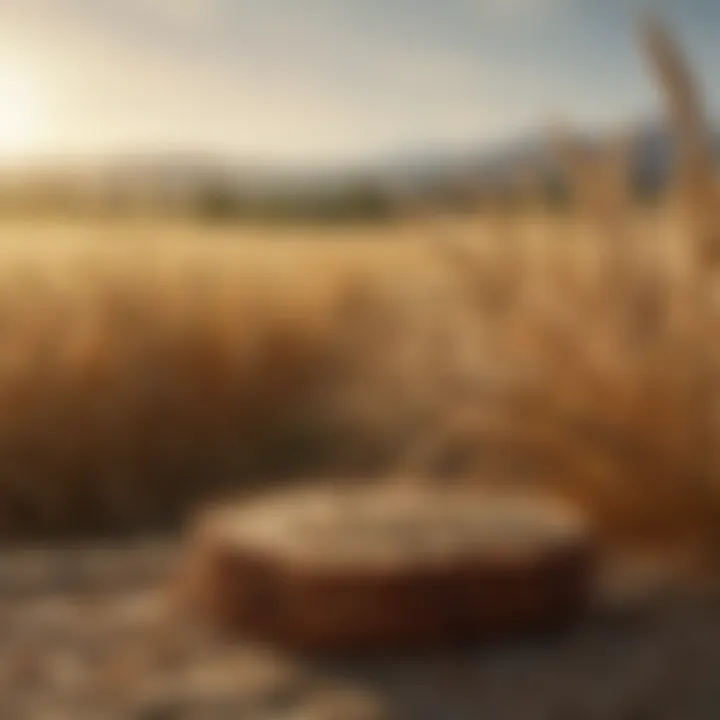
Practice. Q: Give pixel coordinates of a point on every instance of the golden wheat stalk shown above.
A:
(688, 117)
(699, 372)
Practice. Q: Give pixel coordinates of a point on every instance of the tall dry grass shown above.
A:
(137, 378)
(618, 405)
(143, 368)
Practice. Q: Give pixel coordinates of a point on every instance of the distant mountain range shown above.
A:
(651, 155)
(651, 151)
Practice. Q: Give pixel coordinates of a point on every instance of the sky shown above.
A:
(325, 81)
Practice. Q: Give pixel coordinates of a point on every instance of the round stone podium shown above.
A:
(351, 568)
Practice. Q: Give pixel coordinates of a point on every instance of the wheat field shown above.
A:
(147, 366)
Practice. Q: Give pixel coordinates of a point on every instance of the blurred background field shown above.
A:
(543, 313)
(148, 365)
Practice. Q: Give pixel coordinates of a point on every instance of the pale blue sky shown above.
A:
(328, 81)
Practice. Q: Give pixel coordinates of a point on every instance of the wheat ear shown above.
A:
(688, 117)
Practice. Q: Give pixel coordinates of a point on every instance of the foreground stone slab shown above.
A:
(84, 635)
(382, 568)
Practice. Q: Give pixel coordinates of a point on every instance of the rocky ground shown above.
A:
(85, 635)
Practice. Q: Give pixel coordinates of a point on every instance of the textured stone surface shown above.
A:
(380, 568)
(84, 636)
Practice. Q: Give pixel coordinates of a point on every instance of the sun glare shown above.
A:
(19, 115)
